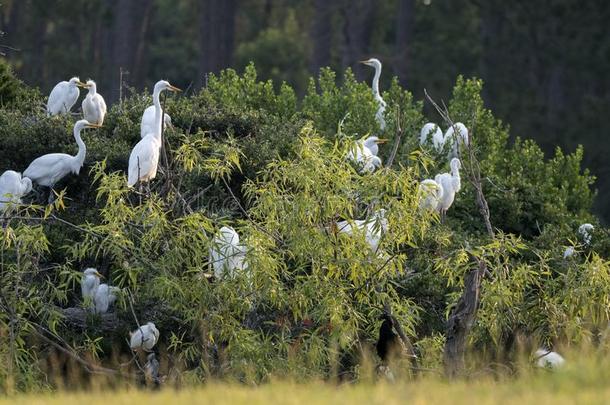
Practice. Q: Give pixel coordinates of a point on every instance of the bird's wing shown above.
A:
(143, 159)
(102, 104)
(56, 101)
(47, 166)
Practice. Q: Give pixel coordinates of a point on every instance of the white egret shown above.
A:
(364, 154)
(379, 116)
(145, 337)
(94, 106)
(147, 124)
(373, 228)
(438, 141)
(104, 297)
(12, 188)
(144, 158)
(457, 134)
(89, 283)
(585, 231)
(569, 252)
(451, 184)
(64, 96)
(430, 194)
(48, 169)
(227, 255)
(548, 359)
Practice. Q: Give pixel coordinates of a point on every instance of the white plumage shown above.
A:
(63, 96)
(89, 283)
(379, 115)
(548, 359)
(144, 158)
(104, 297)
(430, 194)
(12, 188)
(145, 337)
(451, 184)
(454, 136)
(227, 255)
(48, 169)
(147, 124)
(372, 228)
(94, 106)
(434, 132)
(364, 154)
(569, 252)
(585, 231)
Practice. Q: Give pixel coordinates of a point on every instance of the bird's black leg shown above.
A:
(51, 198)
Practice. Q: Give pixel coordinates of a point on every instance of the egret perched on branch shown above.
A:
(457, 134)
(451, 184)
(372, 228)
(89, 283)
(144, 158)
(12, 188)
(379, 116)
(64, 96)
(585, 231)
(430, 195)
(145, 337)
(104, 297)
(438, 141)
(548, 359)
(48, 169)
(94, 106)
(364, 154)
(227, 255)
(147, 125)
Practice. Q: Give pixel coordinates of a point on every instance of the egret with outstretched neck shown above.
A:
(379, 116)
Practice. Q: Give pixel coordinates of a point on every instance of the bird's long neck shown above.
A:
(158, 113)
(376, 80)
(92, 90)
(82, 149)
(455, 171)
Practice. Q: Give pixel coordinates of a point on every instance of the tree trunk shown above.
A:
(321, 35)
(358, 24)
(404, 28)
(216, 36)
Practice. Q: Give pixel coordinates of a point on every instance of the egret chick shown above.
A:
(451, 184)
(104, 297)
(379, 115)
(145, 337)
(372, 228)
(12, 187)
(364, 154)
(438, 141)
(548, 359)
(227, 255)
(430, 195)
(89, 283)
(94, 106)
(457, 134)
(64, 96)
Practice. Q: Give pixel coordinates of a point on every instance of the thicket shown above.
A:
(245, 154)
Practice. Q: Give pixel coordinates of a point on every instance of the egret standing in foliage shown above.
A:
(64, 96)
(548, 359)
(451, 184)
(94, 106)
(104, 297)
(430, 195)
(227, 255)
(145, 337)
(364, 154)
(372, 228)
(379, 116)
(585, 231)
(89, 283)
(438, 141)
(457, 134)
(144, 158)
(48, 169)
(12, 188)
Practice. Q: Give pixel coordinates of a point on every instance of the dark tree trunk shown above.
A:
(461, 320)
(357, 28)
(404, 29)
(321, 35)
(140, 31)
(122, 47)
(216, 36)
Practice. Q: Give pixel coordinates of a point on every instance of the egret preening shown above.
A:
(144, 158)
(89, 283)
(379, 116)
(64, 96)
(451, 184)
(227, 255)
(12, 188)
(104, 297)
(48, 169)
(94, 106)
(145, 337)
(585, 231)
(438, 141)
(372, 228)
(147, 124)
(364, 154)
(457, 134)
(430, 195)
(548, 359)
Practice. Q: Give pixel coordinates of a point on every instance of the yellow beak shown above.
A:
(363, 61)
(173, 88)
(81, 84)
(381, 141)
